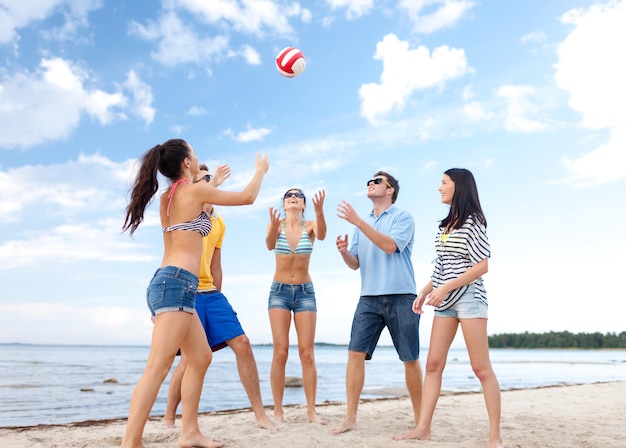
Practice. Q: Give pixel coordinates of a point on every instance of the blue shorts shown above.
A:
(395, 312)
(296, 298)
(172, 289)
(218, 318)
(467, 307)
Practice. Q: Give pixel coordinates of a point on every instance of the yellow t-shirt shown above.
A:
(209, 243)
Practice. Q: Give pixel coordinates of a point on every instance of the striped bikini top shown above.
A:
(304, 247)
(201, 224)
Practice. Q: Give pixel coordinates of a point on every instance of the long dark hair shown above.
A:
(465, 200)
(166, 159)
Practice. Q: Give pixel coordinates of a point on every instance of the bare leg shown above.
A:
(280, 321)
(199, 356)
(413, 378)
(173, 395)
(249, 376)
(442, 335)
(170, 328)
(475, 335)
(355, 377)
(305, 328)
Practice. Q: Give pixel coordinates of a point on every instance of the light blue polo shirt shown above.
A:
(382, 273)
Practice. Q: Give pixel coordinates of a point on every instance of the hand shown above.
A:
(417, 304)
(345, 211)
(262, 163)
(318, 202)
(342, 243)
(436, 296)
(274, 218)
(220, 174)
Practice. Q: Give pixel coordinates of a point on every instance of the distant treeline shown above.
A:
(561, 339)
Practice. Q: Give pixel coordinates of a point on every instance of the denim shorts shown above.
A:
(467, 307)
(172, 289)
(373, 313)
(218, 318)
(296, 298)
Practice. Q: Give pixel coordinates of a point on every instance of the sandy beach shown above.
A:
(589, 416)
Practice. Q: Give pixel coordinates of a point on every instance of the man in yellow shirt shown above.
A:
(221, 326)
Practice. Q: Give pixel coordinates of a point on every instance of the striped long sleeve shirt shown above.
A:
(463, 248)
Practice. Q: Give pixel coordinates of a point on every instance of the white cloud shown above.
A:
(252, 17)
(475, 111)
(251, 56)
(29, 103)
(534, 36)
(354, 8)
(178, 43)
(250, 135)
(77, 200)
(519, 107)
(429, 16)
(142, 97)
(15, 15)
(71, 244)
(607, 163)
(196, 111)
(406, 71)
(591, 70)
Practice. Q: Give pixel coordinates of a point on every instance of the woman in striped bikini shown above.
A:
(292, 240)
(172, 291)
(456, 291)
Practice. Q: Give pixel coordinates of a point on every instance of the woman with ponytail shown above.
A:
(172, 291)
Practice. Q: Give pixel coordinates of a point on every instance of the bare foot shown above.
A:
(314, 418)
(348, 424)
(168, 422)
(278, 419)
(495, 443)
(413, 434)
(198, 441)
(264, 422)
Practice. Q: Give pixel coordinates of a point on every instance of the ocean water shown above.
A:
(41, 384)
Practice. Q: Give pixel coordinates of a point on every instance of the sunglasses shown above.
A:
(293, 193)
(206, 177)
(379, 180)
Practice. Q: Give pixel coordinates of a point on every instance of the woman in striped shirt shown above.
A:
(456, 291)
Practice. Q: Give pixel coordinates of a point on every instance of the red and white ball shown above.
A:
(290, 62)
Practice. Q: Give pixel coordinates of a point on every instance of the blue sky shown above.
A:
(528, 95)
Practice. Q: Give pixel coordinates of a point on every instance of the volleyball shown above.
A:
(290, 62)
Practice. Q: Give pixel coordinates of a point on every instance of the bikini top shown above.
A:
(201, 224)
(304, 247)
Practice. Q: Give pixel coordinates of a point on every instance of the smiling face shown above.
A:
(446, 189)
(294, 198)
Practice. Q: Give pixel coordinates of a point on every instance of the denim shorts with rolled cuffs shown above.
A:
(172, 289)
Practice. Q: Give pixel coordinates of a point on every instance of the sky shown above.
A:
(527, 95)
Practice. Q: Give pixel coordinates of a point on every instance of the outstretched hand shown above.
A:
(274, 218)
(262, 163)
(318, 202)
(342, 243)
(221, 173)
(347, 212)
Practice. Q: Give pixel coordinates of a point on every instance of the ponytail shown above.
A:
(166, 159)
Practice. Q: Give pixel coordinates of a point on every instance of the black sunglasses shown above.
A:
(293, 193)
(378, 180)
(206, 177)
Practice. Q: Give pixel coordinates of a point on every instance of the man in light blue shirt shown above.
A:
(381, 248)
